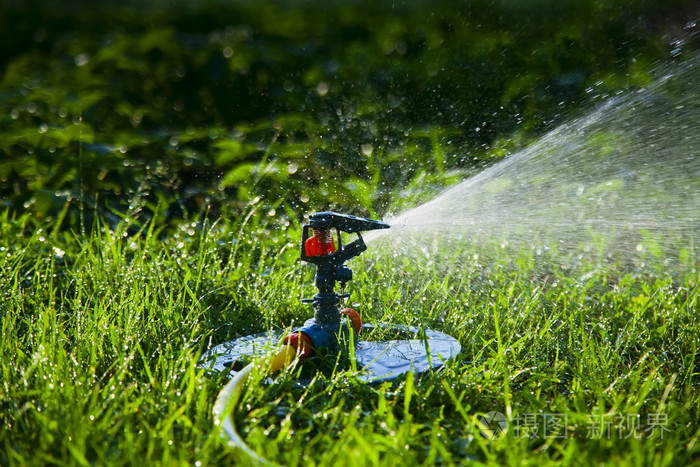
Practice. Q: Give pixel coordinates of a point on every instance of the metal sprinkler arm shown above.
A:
(344, 222)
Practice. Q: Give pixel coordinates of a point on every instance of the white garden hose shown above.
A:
(225, 406)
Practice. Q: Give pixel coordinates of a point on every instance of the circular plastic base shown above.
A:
(412, 349)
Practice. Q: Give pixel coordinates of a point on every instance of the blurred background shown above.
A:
(176, 111)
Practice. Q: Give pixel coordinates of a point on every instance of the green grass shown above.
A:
(101, 333)
(125, 133)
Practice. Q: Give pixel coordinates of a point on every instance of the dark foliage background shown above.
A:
(176, 109)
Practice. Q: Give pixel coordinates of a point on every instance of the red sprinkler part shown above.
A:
(354, 318)
(301, 342)
(320, 244)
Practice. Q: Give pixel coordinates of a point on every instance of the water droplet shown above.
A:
(81, 60)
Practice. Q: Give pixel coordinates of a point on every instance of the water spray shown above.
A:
(617, 190)
(332, 330)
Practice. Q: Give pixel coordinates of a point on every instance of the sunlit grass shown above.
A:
(101, 335)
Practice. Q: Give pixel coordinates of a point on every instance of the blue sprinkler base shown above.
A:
(412, 349)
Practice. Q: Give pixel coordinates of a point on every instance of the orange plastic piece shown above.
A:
(301, 343)
(354, 319)
(320, 244)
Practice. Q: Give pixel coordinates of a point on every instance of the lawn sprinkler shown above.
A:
(328, 329)
(333, 328)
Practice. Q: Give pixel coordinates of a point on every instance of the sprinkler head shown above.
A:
(331, 328)
(320, 249)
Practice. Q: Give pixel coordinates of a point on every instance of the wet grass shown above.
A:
(101, 333)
